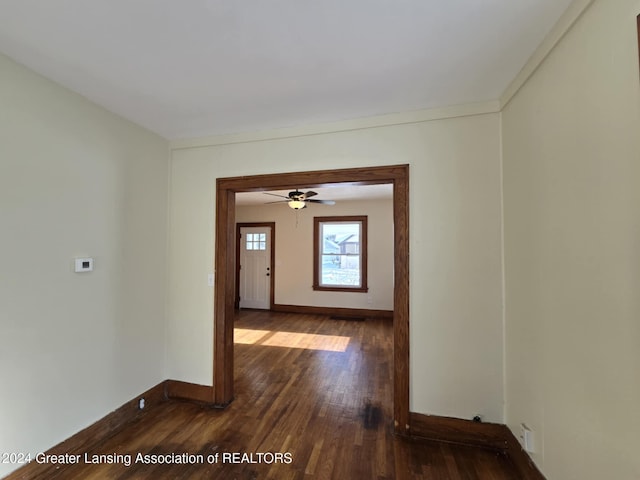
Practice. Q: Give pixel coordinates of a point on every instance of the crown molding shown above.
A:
(575, 10)
(415, 116)
(555, 35)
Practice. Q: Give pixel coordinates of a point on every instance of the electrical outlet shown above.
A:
(527, 439)
(141, 403)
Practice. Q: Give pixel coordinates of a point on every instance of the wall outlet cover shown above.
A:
(526, 438)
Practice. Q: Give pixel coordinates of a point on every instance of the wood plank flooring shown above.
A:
(313, 401)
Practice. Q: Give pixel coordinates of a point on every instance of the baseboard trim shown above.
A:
(94, 434)
(335, 311)
(457, 430)
(443, 429)
(87, 438)
(493, 436)
(176, 389)
(521, 459)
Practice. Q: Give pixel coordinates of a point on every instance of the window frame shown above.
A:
(317, 285)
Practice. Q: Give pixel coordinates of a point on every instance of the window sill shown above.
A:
(340, 289)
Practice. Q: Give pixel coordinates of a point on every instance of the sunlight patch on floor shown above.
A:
(247, 336)
(309, 341)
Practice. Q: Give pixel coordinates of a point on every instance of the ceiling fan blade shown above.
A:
(310, 194)
(277, 201)
(324, 202)
(276, 195)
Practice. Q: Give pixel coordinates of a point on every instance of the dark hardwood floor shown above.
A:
(313, 400)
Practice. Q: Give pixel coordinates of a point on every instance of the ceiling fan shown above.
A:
(298, 200)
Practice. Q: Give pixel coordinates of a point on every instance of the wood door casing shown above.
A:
(225, 265)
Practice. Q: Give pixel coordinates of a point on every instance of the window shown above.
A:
(256, 241)
(340, 253)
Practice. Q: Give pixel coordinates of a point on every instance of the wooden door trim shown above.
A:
(223, 304)
(272, 265)
(225, 260)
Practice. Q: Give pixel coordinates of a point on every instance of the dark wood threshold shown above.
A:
(334, 311)
(491, 436)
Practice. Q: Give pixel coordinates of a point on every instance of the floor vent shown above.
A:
(355, 319)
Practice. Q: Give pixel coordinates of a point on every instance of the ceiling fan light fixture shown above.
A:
(297, 204)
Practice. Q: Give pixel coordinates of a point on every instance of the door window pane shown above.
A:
(256, 241)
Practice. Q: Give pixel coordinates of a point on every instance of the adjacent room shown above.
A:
(293, 236)
(333, 240)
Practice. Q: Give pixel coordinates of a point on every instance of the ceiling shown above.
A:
(203, 67)
(337, 193)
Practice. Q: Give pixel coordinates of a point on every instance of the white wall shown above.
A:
(455, 248)
(294, 252)
(75, 180)
(572, 241)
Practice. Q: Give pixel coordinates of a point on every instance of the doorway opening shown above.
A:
(225, 265)
(255, 284)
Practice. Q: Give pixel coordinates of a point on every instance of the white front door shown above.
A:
(255, 267)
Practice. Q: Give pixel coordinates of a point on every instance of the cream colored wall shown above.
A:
(294, 253)
(75, 180)
(455, 248)
(572, 236)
